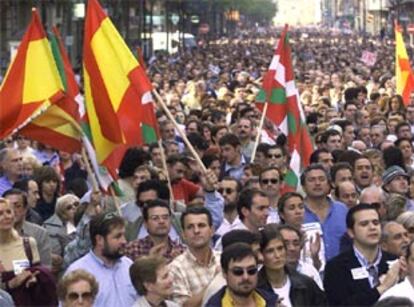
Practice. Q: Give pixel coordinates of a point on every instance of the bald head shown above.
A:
(371, 195)
(346, 192)
(374, 195)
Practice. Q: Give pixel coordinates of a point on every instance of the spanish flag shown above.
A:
(59, 125)
(116, 89)
(32, 82)
(403, 72)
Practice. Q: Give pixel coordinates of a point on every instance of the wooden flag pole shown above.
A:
(182, 134)
(89, 169)
(116, 200)
(164, 166)
(259, 132)
(95, 186)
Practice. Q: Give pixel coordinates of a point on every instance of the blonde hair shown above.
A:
(62, 202)
(73, 277)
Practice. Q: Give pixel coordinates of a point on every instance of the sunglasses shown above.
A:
(375, 205)
(109, 216)
(270, 181)
(74, 296)
(226, 190)
(70, 207)
(240, 271)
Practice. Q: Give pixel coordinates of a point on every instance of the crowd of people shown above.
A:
(230, 235)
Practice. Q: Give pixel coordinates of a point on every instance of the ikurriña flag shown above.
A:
(285, 111)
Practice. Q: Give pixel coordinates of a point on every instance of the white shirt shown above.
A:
(403, 289)
(311, 230)
(226, 226)
(310, 271)
(219, 246)
(283, 292)
(273, 216)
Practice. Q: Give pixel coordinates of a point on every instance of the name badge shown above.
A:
(359, 273)
(390, 263)
(20, 265)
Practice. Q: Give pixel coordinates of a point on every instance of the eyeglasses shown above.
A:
(225, 190)
(109, 216)
(240, 271)
(375, 205)
(270, 181)
(70, 207)
(74, 296)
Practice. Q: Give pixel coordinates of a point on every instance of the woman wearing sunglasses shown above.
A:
(61, 227)
(293, 288)
(77, 288)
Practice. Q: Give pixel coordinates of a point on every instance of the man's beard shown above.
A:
(230, 207)
(243, 293)
(108, 253)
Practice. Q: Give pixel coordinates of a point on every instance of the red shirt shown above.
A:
(185, 190)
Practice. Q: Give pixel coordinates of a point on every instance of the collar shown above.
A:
(364, 261)
(194, 259)
(101, 262)
(228, 301)
(242, 163)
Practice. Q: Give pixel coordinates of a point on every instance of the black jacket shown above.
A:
(216, 299)
(342, 290)
(303, 292)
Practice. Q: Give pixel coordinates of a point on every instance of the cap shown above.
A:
(391, 173)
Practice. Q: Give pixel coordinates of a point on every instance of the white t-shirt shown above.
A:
(284, 293)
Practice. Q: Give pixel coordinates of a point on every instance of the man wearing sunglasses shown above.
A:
(270, 180)
(275, 156)
(229, 188)
(239, 266)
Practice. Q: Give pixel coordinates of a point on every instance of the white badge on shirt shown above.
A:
(312, 227)
(359, 273)
(390, 263)
(20, 265)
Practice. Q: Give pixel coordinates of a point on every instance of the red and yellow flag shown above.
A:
(115, 85)
(32, 82)
(403, 72)
(59, 125)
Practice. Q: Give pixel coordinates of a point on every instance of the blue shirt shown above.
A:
(333, 228)
(5, 185)
(115, 287)
(235, 171)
